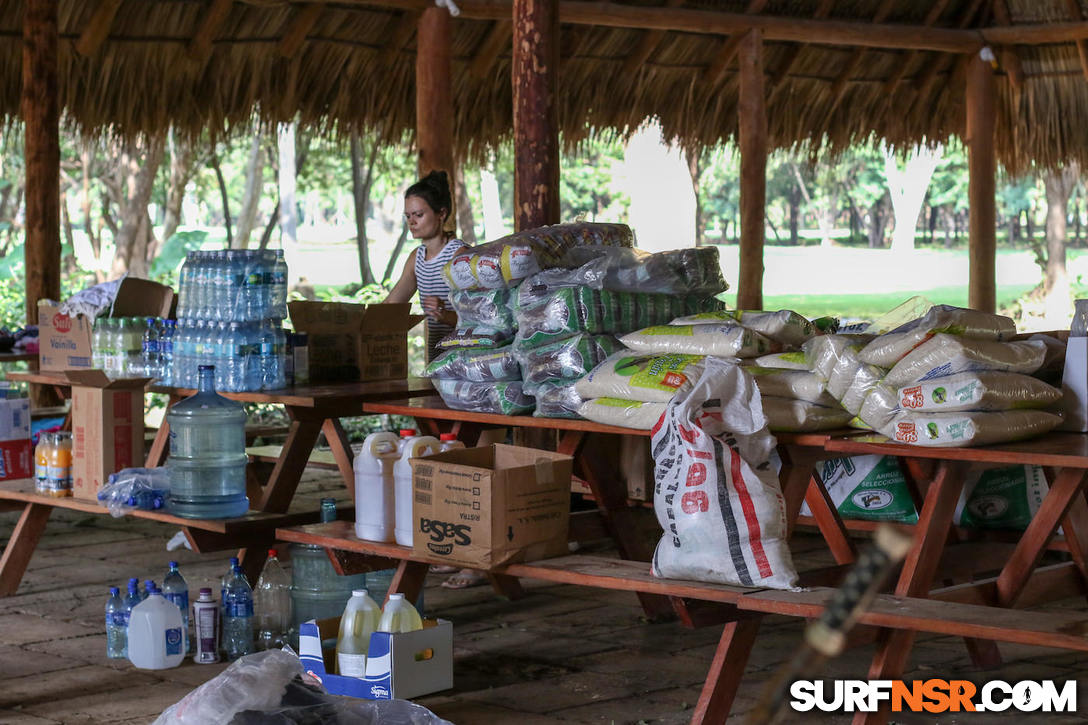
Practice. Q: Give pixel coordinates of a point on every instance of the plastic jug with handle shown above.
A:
(402, 483)
(155, 634)
(375, 515)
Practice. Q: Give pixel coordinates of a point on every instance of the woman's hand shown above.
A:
(438, 309)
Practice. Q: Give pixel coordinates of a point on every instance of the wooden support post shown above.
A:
(536, 125)
(434, 100)
(40, 108)
(982, 294)
(752, 133)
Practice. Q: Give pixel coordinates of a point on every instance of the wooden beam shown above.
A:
(981, 186)
(714, 72)
(713, 22)
(497, 40)
(40, 108)
(536, 127)
(1076, 13)
(926, 82)
(793, 53)
(1007, 56)
(838, 88)
(647, 44)
(200, 46)
(434, 95)
(98, 29)
(400, 31)
(300, 26)
(752, 140)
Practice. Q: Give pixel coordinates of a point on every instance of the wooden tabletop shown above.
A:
(22, 491)
(6, 357)
(302, 396)
(1068, 450)
(434, 408)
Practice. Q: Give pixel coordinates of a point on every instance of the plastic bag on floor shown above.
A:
(625, 413)
(476, 365)
(720, 339)
(979, 391)
(889, 348)
(649, 378)
(717, 495)
(969, 428)
(944, 355)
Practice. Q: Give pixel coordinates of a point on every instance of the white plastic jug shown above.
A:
(375, 515)
(399, 616)
(402, 484)
(155, 634)
(360, 619)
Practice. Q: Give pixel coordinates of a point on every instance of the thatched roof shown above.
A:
(354, 67)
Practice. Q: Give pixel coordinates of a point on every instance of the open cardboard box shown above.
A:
(65, 342)
(350, 342)
(402, 665)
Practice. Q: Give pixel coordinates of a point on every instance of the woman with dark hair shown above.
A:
(427, 205)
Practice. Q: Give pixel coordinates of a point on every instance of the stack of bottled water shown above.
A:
(231, 306)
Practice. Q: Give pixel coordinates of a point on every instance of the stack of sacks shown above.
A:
(946, 379)
(479, 371)
(633, 388)
(506, 262)
(567, 319)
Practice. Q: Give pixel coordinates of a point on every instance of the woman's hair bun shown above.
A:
(434, 188)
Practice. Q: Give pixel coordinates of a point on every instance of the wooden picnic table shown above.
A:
(9, 357)
(312, 409)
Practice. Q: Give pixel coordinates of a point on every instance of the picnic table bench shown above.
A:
(311, 410)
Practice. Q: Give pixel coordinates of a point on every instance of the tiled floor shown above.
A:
(563, 654)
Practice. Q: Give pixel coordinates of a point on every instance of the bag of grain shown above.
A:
(796, 384)
(891, 347)
(944, 355)
(968, 428)
(783, 361)
(870, 488)
(797, 416)
(626, 413)
(557, 399)
(477, 365)
(476, 337)
(719, 340)
(500, 398)
(1001, 498)
(985, 390)
(784, 326)
(569, 359)
(649, 378)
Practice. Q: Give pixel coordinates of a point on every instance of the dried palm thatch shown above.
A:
(354, 70)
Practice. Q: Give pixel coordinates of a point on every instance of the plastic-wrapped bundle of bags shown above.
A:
(506, 262)
(948, 378)
(484, 319)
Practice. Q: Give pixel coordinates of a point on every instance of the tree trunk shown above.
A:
(878, 219)
(224, 197)
(181, 170)
(138, 191)
(465, 218)
(287, 184)
(694, 157)
(795, 213)
(86, 161)
(68, 261)
(361, 179)
(907, 187)
(391, 267)
(489, 196)
(1059, 186)
(251, 197)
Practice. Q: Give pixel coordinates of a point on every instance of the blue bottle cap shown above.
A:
(114, 591)
(173, 565)
(234, 561)
(133, 581)
(149, 585)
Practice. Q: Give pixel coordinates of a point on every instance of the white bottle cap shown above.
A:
(360, 593)
(396, 596)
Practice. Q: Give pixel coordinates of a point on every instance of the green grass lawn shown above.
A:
(870, 306)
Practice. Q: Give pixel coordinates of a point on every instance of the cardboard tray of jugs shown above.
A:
(402, 665)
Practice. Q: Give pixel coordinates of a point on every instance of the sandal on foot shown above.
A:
(444, 568)
(465, 578)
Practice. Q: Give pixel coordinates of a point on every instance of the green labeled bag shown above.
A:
(1001, 498)
(870, 487)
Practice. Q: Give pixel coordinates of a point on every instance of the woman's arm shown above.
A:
(406, 286)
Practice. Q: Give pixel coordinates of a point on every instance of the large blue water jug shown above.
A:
(207, 461)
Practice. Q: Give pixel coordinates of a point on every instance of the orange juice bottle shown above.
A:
(41, 463)
(60, 465)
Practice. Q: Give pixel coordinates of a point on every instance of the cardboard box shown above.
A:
(355, 342)
(1075, 386)
(402, 665)
(16, 454)
(107, 428)
(491, 506)
(65, 342)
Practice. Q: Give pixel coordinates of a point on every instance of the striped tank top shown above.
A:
(431, 283)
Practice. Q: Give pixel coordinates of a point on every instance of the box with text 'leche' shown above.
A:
(401, 665)
(107, 428)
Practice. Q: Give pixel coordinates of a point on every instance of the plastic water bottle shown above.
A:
(183, 285)
(223, 581)
(448, 441)
(155, 634)
(360, 619)
(375, 515)
(176, 590)
(413, 447)
(151, 356)
(206, 628)
(166, 350)
(281, 356)
(238, 619)
(98, 345)
(272, 604)
(279, 287)
(235, 358)
(116, 626)
(399, 616)
(207, 461)
(269, 361)
(252, 333)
